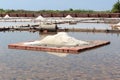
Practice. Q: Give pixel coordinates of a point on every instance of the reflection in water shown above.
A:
(10, 24)
(86, 26)
(59, 54)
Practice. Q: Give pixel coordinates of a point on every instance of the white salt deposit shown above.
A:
(118, 24)
(40, 18)
(68, 17)
(61, 39)
(32, 43)
(6, 16)
(118, 28)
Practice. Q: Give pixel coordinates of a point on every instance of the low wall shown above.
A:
(89, 30)
(96, 15)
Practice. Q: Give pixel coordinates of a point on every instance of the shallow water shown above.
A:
(86, 25)
(10, 24)
(78, 25)
(102, 63)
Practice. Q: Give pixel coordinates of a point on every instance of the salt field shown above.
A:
(62, 40)
(67, 25)
(96, 64)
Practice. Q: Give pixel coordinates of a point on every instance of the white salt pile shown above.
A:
(6, 16)
(68, 17)
(60, 40)
(118, 28)
(118, 24)
(40, 18)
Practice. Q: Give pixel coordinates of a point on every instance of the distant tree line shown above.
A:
(115, 9)
(2, 11)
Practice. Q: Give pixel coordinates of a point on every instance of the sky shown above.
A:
(97, 5)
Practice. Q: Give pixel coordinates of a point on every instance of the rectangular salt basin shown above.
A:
(77, 49)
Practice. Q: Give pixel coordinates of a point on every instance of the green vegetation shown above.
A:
(116, 7)
(13, 11)
(51, 11)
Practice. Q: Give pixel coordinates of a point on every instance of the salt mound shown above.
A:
(68, 17)
(40, 18)
(59, 40)
(62, 39)
(118, 24)
(7, 16)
